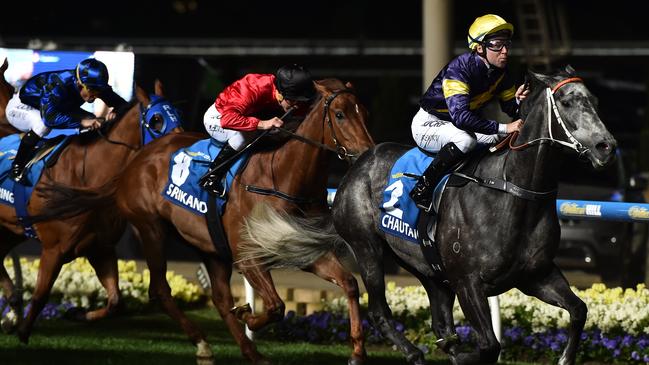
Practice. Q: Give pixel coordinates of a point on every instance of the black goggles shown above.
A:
(497, 45)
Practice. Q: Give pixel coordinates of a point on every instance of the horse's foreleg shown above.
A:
(476, 309)
(48, 270)
(12, 295)
(329, 268)
(441, 299)
(104, 260)
(370, 262)
(274, 307)
(555, 290)
(220, 273)
(151, 236)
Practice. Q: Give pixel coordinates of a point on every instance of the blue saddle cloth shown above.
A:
(12, 193)
(186, 167)
(399, 213)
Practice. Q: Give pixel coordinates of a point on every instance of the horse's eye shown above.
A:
(156, 122)
(566, 103)
(340, 115)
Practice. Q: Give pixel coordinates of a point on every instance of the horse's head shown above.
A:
(345, 118)
(158, 116)
(571, 114)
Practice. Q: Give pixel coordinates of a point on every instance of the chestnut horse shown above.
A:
(88, 161)
(296, 169)
(6, 92)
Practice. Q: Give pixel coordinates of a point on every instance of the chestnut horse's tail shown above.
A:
(66, 202)
(279, 240)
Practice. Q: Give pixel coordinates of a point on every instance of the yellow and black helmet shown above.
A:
(486, 25)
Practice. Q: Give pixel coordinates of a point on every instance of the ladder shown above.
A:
(544, 32)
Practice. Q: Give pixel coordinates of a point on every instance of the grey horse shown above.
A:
(489, 240)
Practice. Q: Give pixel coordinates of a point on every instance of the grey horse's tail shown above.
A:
(279, 240)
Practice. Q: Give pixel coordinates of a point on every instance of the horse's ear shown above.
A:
(570, 70)
(141, 95)
(544, 79)
(349, 85)
(5, 65)
(321, 88)
(159, 89)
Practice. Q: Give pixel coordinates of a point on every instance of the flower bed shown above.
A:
(78, 286)
(616, 331)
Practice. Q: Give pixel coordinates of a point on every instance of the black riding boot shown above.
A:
(211, 181)
(25, 153)
(446, 159)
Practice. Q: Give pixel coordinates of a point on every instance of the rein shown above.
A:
(340, 150)
(503, 184)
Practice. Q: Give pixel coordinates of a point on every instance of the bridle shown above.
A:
(340, 150)
(572, 142)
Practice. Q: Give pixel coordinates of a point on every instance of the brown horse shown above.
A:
(88, 161)
(297, 169)
(6, 92)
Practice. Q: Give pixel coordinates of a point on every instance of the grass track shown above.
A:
(155, 339)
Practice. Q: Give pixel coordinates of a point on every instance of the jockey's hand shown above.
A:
(270, 123)
(111, 114)
(92, 123)
(515, 126)
(521, 92)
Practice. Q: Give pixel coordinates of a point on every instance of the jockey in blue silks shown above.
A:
(449, 122)
(53, 100)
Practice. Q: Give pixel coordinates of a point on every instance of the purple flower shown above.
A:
(342, 335)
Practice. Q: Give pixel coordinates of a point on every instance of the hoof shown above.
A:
(356, 360)
(76, 314)
(204, 360)
(262, 361)
(446, 343)
(239, 311)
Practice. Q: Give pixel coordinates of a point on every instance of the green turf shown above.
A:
(155, 339)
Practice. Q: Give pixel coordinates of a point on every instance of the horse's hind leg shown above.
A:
(476, 309)
(220, 273)
(370, 262)
(151, 235)
(554, 289)
(12, 295)
(329, 268)
(274, 307)
(48, 270)
(104, 260)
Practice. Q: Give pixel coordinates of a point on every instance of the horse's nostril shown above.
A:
(604, 147)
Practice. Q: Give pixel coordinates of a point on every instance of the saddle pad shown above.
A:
(186, 167)
(8, 148)
(398, 212)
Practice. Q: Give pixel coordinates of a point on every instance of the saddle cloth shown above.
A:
(398, 212)
(186, 167)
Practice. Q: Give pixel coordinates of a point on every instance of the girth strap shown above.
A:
(278, 194)
(508, 187)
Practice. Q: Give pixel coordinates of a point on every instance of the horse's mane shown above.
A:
(538, 83)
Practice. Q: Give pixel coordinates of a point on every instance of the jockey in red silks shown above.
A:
(236, 115)
(449, 122)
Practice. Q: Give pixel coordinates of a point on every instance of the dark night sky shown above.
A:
(591, 20)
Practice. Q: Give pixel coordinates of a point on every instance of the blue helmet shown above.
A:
(92, 74)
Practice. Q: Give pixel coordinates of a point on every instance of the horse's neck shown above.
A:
(299, 167)
(95, 163)
(536, 167)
